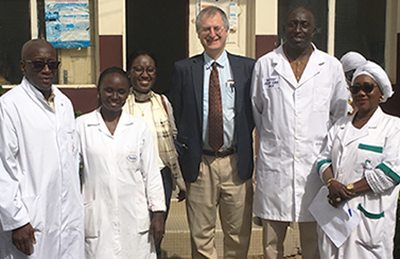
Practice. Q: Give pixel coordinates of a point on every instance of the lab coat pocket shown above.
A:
(132, 157)
(273, 93)
(269, 154)
(369, 155)
(321, 97)
(91, 222)
(317, 145)
(372, 228)
(72, 142)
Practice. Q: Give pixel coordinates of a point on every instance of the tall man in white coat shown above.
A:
(41, 208)
(297, 93)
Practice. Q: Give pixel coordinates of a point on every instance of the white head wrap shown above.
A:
(379, 75)
(352, 60)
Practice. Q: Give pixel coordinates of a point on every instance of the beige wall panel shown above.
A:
(111, 17)
(266, 17)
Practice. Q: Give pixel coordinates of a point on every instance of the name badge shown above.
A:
(132, 157)
(271, 82)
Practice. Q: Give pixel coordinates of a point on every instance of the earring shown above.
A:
(381, 98)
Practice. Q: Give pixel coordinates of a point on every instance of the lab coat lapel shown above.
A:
(59, 106)
(371, 125)
(314, 65)
(197, 71)
(38, 98)
(123, 123)
(283, 68)
(100, 124)
(347, 139)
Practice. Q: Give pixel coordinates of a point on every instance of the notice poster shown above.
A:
(67, 23)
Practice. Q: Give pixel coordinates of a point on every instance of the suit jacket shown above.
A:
(187, 100)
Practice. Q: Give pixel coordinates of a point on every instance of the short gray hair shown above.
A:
(211, 11)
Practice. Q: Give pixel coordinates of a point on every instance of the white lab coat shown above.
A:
(292, 119)
(378, 142)
(39, 179)
(121, 185)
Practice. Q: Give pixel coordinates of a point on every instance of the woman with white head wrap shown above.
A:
(360, 165)
(350, 62)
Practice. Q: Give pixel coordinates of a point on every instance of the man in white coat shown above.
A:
(41, 208)
(298, 92)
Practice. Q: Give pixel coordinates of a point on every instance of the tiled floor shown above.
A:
(176, 243)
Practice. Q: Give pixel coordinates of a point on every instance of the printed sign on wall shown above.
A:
(67, 23)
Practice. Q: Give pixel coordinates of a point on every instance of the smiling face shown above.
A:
(212, 34)
(113, 91)
(32, 52)
(299, 28)
(364, 101)
(143, 73)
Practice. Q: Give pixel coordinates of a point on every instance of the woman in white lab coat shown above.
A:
(360, 165)
(121, 180)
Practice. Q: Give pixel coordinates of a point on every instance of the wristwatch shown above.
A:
(350, 187)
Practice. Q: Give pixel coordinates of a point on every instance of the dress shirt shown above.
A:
(226, 83)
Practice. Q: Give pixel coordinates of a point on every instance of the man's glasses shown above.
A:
(207, 30)
(39, 65)
(367, 88)
(139, 70)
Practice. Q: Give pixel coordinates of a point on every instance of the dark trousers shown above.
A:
(167, 181)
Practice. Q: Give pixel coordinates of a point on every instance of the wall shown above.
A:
(266, 26)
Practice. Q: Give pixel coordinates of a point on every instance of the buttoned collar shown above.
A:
(221, 61)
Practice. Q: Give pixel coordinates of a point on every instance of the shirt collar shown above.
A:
(38, 94)
(221, 61)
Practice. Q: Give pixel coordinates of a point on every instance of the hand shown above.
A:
(337, 193)
(181, 196)
(157, 226)
(23, 238)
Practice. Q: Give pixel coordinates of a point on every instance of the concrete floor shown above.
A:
(176, 243)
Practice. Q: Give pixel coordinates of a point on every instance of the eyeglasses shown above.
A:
(139, 70)
(39, 65)
(367, 88)
(207, 30)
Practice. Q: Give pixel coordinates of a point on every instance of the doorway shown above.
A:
(159, 27)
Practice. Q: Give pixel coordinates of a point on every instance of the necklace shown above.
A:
(140, 108)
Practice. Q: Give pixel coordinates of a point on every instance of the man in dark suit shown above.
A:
(211, 99)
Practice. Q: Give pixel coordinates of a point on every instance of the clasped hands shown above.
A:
(337, 192)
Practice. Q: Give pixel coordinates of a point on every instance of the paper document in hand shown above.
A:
(337, 223)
